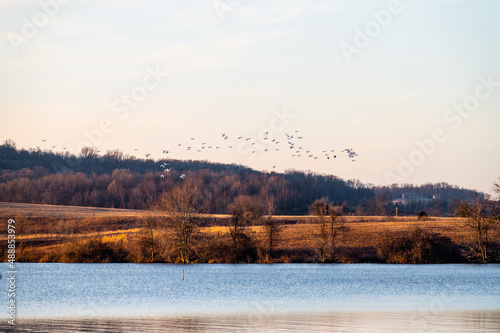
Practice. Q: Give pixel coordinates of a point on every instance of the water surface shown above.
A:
(259, 298)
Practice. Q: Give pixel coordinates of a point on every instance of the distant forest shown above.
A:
(116, 180)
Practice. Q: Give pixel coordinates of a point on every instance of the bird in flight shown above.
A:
(183, 176)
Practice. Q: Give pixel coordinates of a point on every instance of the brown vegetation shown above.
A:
(140, 236)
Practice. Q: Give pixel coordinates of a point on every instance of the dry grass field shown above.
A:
(43, 232)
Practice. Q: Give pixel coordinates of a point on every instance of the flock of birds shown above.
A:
(291, 143)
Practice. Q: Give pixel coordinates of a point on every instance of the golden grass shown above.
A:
(298, 233)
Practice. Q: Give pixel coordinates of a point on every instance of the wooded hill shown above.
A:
(116, 180)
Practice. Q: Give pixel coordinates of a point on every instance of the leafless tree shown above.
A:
(147, 241)
(331, 227)
(482, 216)
(272, 228)
(378, 204)
(245, 211)
(181, 206)
(88, 152)
(338, 228)
(321, 208)
(496, 188)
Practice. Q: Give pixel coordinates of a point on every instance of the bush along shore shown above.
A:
(174, 232)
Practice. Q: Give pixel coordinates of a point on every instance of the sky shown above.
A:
(411, 88)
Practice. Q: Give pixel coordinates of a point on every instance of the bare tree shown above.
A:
(496, 188)
(321, 208)
(482, 216)
(182, 216)
(272, 228)
(147, 241)
(378, 204)
(331, 227)
(245, 211)
(88, 152)
(337, 228)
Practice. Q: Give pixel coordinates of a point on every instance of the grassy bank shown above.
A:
(81, 234)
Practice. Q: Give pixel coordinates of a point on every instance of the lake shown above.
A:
(254, 298)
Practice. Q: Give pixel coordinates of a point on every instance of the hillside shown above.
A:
(115, 180)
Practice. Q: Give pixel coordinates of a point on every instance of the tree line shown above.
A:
(116, 180)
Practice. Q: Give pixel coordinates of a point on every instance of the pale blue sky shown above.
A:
(228, 75)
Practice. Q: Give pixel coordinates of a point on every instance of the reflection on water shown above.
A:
(255, 298)
(463, 321)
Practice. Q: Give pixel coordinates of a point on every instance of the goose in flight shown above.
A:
(183, 176)
(54, 146)
(44, 140)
